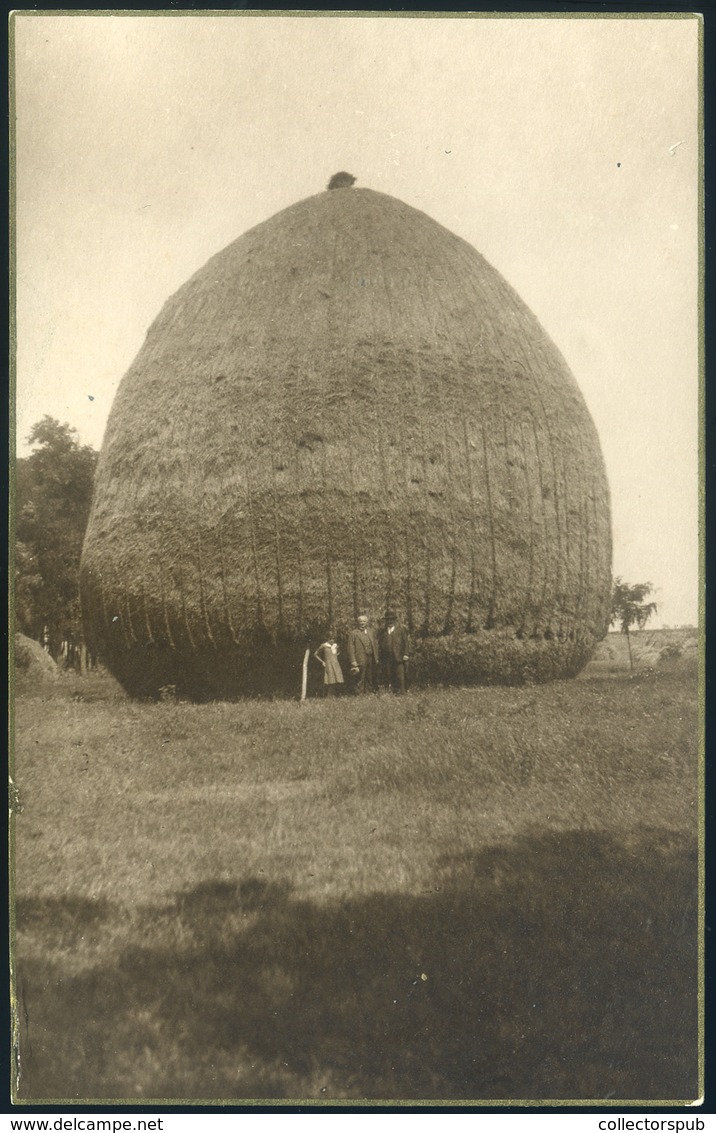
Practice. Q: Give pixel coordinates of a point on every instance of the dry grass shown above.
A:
(347, 408)
(466, 893)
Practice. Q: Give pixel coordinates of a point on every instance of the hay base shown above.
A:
(485, 658)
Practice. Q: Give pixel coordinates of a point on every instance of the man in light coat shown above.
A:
(363, 655)
(394, 651)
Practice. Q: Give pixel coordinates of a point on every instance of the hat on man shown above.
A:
(390, 615)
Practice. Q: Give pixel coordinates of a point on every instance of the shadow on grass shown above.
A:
(561, 966)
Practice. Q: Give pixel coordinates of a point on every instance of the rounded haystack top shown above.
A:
(358, 267)
(346, 409)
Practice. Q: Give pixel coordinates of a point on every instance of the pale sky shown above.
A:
(566, 150)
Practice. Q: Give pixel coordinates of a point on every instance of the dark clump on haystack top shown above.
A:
(346, 409)
(341, 181)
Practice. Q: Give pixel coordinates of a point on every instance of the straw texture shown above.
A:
(345, 409)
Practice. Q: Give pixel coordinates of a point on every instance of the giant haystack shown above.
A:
(345, 409)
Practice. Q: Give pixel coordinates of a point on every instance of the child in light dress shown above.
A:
(327, 654)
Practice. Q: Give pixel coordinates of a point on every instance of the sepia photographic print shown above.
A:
(356, 640)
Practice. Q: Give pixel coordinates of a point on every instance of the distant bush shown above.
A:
(671, 651)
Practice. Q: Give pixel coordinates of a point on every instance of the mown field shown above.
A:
(464, 894)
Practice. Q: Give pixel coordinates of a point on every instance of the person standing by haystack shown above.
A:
(327, 654)
(394, 652)
(363, 655)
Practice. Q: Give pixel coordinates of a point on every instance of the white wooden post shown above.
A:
(305, 675)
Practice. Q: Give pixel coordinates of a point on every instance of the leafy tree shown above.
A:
(629, 608)
(53, 494)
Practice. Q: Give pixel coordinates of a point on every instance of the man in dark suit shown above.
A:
(363, 655)
(394, 651)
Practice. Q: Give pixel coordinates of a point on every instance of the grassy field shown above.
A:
(662, 649)
(464, 894)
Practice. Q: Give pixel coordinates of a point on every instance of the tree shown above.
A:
(53, 494)
(629, 608)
